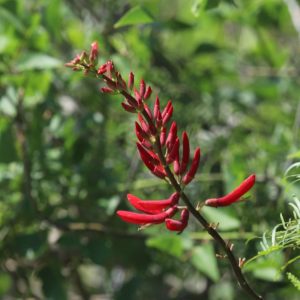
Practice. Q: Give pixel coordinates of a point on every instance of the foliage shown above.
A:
(67, 156)
(285, 235)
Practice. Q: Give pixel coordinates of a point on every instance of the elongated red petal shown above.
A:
(136, 218)
(193, 169)
(160, 204)
(128, 107)
(233, 196)
(147, 155)
(136, 203)
(185, 153)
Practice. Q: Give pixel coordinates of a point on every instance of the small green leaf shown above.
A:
(134, 16)
(171, 244)
(37, 61)
(9, 18)
(204, 259)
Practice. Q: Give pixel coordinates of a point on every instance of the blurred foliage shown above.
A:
(68, 158)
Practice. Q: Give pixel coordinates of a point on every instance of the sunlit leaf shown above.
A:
(38, 61)
(170, 244)
(204, 259)
(135, 16)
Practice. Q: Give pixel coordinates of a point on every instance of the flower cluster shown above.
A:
(159, 146)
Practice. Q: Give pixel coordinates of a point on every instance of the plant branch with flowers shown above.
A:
(165, 155)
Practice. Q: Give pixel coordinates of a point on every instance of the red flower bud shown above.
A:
(148, 111)
(185, 153)
(143, 123)
(128, 107)
(93, 52)
(156, 108)
(147, 155)
(136, 218)
(233, 196)
(140, 133)
(148, 93)
(131, 80)
(131, 101)
(176, 167)
(121, 84)
(102, 69)
(138, 98)
(193, 169)
(168, 106)
(107, 90)
(142, 88)
(174, 152)
(171, 136)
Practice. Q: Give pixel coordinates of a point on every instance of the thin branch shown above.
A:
(21, 128)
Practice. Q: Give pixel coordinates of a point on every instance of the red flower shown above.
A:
(233, 196)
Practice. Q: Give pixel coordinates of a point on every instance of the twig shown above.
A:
(21, 137)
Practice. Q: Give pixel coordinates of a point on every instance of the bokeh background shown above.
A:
(68, 157)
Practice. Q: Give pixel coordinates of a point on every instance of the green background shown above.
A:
(68, 157)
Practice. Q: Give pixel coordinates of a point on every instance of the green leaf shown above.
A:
(52, 282)
(212, 4)
(39, 61)
(5, 283)
(294, 155)
(171, 244)
(267, 268)
(134, 16)
(223, 217)
(204, 259)
(11, 19)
